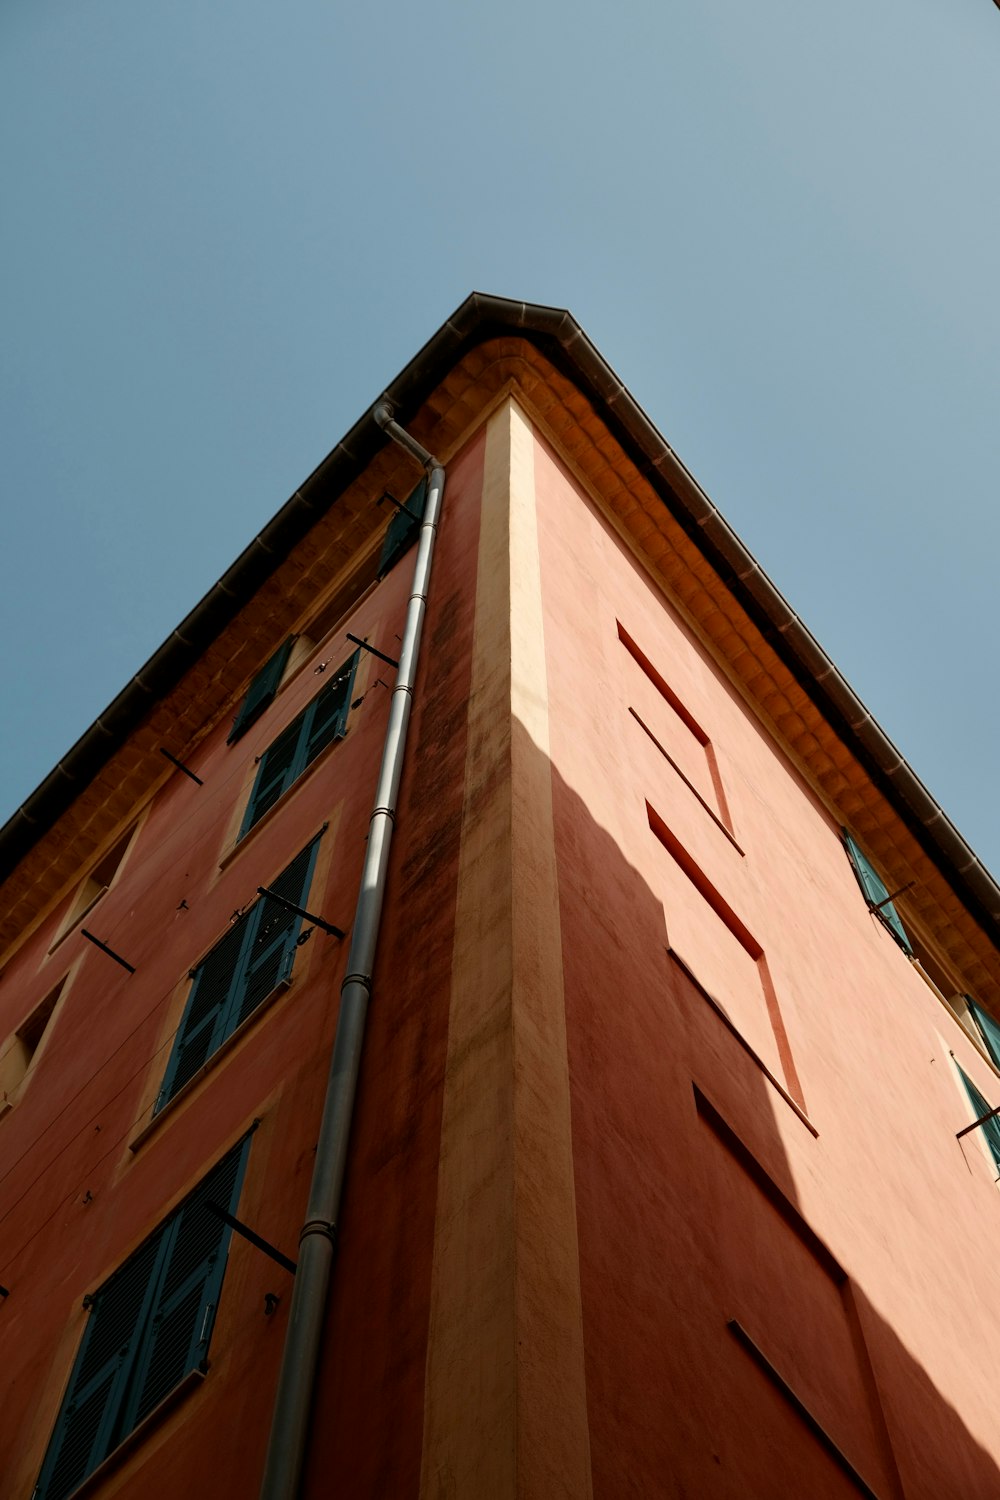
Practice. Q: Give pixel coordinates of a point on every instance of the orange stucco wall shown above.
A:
(654, 1188)
(76, 1199)
(886, 1331)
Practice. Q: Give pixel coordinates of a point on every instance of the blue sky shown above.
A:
(227, 226)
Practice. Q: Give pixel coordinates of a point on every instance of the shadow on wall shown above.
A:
(728, 1351)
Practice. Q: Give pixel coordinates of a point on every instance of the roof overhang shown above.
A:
(490, 321)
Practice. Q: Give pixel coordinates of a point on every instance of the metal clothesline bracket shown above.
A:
(300, 911)
(385, 495)
(380, 654)
(251, 1235)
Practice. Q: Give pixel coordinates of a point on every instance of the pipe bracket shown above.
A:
(319, 1226)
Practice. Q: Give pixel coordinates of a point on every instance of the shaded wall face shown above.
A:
(772, 1205)
(81, 1185)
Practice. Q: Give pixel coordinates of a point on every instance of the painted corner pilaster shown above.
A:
(505, 1396)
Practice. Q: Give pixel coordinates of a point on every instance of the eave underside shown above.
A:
(770, 658)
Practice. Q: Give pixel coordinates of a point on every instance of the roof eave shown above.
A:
(557, 334)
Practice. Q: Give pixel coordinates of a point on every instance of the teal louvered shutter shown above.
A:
(275, 930)
(203, 1028)
(187, 1295)
(276, 772)
(403, 530)
(261, 691)
(988, 1028)
(239, 973)
(282, 763)
(875, 891)
(149, 1325)
(329, 711)
(89, 1424)
(991, 1128)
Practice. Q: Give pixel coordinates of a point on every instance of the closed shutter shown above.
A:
(276, 929)
(149, 1325)
(239, 973)
(991, 1128)
(875, 891)
(88, 1426)
(403, 530)
(203, 1028)
(277, 770)
(988, 1028)
(282, 763)
(329, 712)
(261, 691)
(187, 1298)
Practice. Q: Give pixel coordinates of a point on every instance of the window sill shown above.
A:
(75, 924)
(244, 839)
(89, 1486)
(221, 1052)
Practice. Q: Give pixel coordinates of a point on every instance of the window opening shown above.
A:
(19, 1051)
(285, 759)
(241, 971)
(149, 1326)
(876, 892)
(94, 885)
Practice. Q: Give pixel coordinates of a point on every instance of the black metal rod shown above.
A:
(255, 1239)
(976, 1123)
(300, 911)
(105, 949)
(181, 766)
(879, 904)
(399, 506)
(380, 654)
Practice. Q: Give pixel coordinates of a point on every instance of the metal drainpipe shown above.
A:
(317, 1241)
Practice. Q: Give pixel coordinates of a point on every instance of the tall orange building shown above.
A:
(486, 1012)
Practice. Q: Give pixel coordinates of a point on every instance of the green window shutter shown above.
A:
(404, 528)
(875, 891)
(317, 726)
(261, 691)
(149, 1324)
(187, 1295)
(275, 931)
(203, 1027)
(275, 774)
(239, 973)
(329, 712)
(989, 1030)
(991, 1129)
(88, 1426)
